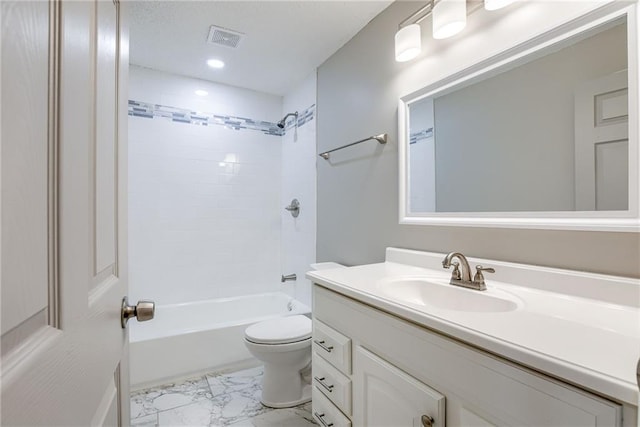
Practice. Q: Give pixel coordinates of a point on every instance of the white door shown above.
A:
(602, 144)
(64, 230)
(385, 396)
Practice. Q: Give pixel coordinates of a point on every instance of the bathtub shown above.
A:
(200, 336)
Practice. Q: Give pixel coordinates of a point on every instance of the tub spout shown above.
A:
(288, 277)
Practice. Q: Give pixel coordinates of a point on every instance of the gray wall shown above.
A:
(358, 92)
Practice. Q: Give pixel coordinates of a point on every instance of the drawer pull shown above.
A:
(427, 421)
(324, 346)
(321, 419)
(328, 387)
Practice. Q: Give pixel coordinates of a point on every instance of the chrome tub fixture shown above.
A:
(286, 278)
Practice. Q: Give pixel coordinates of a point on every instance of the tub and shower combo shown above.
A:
(189, 338)
(200, 336)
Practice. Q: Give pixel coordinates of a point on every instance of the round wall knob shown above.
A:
(142, 311)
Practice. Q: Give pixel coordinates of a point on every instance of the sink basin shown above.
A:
(438, 293)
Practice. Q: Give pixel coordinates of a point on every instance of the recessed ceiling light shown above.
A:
(215, 63)
(201, 92)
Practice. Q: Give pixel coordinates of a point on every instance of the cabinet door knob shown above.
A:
(427, 421)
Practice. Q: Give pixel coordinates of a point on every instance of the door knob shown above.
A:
(427, 421)
(142, 311)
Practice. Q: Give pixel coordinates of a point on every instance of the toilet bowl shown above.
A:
(284, 346)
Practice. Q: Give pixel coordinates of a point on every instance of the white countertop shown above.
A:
(589, 342)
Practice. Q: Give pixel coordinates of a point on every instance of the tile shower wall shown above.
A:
(204, 198)
(299, 156)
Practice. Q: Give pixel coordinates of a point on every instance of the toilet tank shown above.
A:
(325, 266)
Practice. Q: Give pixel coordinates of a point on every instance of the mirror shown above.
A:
(542, 140)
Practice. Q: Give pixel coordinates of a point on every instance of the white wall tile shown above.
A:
(204, 201)
(299, 181)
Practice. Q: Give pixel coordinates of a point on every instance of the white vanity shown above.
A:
(394, 344)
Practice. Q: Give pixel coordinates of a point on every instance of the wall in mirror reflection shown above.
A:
(547, 135)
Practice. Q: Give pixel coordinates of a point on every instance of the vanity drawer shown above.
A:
(333, 384)
(332, 346)
(325, 413)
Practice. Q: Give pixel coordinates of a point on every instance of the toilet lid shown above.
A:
(282, 330)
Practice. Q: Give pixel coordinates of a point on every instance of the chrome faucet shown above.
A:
(288, 277)
(463, 277)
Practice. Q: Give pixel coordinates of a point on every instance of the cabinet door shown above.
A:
(386, 396)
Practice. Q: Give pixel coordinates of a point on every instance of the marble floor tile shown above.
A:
(291, 417)
(203, 413)
(227, 399)
(239, 405)
(169, 396)
(235, 381)
(145, 421)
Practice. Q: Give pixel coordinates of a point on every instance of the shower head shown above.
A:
(282, 122)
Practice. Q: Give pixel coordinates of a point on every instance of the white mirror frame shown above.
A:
(618, 221)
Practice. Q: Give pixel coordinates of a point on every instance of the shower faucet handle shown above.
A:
(294, 208)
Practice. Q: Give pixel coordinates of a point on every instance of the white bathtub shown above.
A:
(198, 336)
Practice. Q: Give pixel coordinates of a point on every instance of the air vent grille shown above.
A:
(224, 37)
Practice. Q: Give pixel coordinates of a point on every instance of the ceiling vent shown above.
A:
(224, 37)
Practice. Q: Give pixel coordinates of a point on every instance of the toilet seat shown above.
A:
(282, 330)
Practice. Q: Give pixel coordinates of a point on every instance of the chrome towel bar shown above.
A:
(382, 139)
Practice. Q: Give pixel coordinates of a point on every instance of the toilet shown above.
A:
(284, 346)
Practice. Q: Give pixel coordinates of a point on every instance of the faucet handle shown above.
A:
(455, 274)
(479, 277)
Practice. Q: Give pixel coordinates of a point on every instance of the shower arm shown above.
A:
(282, 123)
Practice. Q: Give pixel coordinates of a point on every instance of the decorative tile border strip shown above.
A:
(181, 115)
(304, 116)
(422, 134)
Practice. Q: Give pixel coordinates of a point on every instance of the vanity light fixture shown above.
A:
(408, 40)
(449, 18)
(496, 4)
(408, 43)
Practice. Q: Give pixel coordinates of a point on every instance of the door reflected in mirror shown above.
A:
(548, 132)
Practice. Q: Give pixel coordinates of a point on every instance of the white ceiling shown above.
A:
(284, 40)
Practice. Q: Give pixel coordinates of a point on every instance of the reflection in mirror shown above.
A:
(548, 135)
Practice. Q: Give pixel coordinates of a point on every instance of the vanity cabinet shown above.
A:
(400, 371)
(386, 396)
(331, 369)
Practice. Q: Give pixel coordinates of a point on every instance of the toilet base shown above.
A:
(306, 397)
